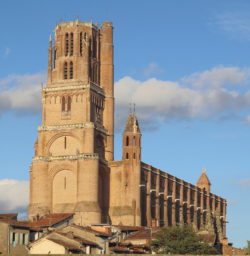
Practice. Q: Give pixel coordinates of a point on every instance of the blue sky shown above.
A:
(186, 66)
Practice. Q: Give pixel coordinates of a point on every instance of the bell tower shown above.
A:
(125, 178)
(69, 171)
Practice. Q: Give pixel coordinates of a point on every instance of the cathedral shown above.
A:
(73, 169)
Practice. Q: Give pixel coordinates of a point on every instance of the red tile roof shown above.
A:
(129, 228)
(8, 216)
(141, 234)
(44, 222)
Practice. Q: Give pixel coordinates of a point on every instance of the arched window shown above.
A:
(81, 43)
(71, 71)
(134, 140)
(71, 44)
(94, 47)
(127, 141)
(127, 156)
(54, 60)
(63, 104)
(69, 104)
(65, 70)
(66, 44)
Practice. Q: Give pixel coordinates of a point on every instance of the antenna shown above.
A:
(130, 108)
(134, 108)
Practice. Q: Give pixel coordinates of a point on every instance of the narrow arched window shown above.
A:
(71, 44)
(81, 43)
(63, 104)
(69, 104)
(127, 156)
(54, 60)
(65, 70)
(71, 70)
(66, 44)
(127, 141)
(65, 142)
(134, 140)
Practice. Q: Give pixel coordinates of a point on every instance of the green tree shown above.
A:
(247, 249)
(180, 240)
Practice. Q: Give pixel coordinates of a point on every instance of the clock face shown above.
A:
(65, 145)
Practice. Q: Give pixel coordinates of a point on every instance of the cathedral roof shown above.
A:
(132, 124)
(203, 180)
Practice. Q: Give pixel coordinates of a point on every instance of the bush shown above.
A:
(180, 240)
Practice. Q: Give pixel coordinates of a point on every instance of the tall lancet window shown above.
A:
(71, 44)
(69, 104)
(66, 44)
(81, 43)
(66, 104)
(71, 70)
(63, 104)
(65, 70)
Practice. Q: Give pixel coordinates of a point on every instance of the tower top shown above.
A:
(203, 181)
(132, 124)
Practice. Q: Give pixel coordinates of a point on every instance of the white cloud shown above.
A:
(220, 92)
(244, 183)
(14, 195)
(201, 95)
(21, 93)
(152, 69)
(236, 24)
(7, 52)
(218, 77)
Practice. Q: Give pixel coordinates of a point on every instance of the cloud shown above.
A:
(218, 77)
(244, 183)
(14, 195)
(7, 52)
(236, 24)
(207, 94)
(152, 69)
(21, 93)
(217, 93)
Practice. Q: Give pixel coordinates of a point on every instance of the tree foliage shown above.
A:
(180, 240)
(247, 249)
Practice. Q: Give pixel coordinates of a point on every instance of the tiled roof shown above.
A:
(8, 216)
(68, 245)
(141, 234)
(45, 221)
(96, 232)
(129, 228)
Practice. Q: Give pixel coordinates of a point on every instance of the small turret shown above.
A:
(132, 139)
(204, 182)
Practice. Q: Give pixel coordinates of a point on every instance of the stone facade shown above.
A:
(73, 169)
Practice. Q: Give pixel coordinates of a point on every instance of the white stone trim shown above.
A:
(70, 157)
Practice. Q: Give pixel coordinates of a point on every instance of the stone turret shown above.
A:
(204, 182)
